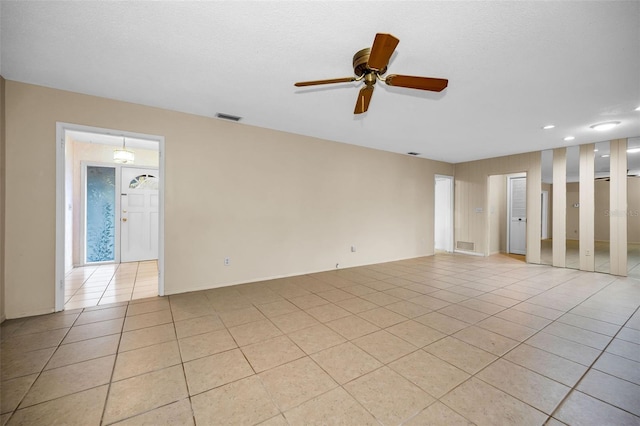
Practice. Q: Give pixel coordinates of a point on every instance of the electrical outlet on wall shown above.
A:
(353, 249)
(227, 261)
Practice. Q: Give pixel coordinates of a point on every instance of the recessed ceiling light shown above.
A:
(633, 150)
(637, 109)
(548, 126)
(605, 156)
(604, 126)
(595, 150)
(569, 138)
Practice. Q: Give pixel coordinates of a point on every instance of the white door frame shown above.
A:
(449, 244)
(61, 211)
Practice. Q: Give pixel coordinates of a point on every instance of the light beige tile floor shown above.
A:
(95, 285)
(441, 340)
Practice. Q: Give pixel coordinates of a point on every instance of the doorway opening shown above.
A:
(109, 217)
(507, 221)
(443, 214)
(517, 220)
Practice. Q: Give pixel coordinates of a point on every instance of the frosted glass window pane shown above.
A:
(101, 200)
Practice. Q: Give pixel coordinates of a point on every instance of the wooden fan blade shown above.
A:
(364, 97)
(381, 51)
(422, 83)
(317, 82)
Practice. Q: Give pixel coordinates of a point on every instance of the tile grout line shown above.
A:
(42, 370)
(113, 369)
(474, 375)
(574, 388)
(184, 372)
(78, 289)
(516, 346)
(108, 283)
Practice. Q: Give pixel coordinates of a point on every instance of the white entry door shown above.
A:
(518, 215)
(139, 215)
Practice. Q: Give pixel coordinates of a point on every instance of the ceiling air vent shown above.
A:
(228, 117)
(413, 153)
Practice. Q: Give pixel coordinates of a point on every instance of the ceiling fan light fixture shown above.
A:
(123, 155)
(548, 127)
(607, 125)
(569, 138)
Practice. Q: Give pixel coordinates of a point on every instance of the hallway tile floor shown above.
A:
(110, 283)
(442, 340)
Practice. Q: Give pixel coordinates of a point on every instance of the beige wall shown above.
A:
(276, 203)
(2, 195)
(497, 214)
(80, 152)
(471, 193)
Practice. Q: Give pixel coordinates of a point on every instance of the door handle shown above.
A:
(124, 219)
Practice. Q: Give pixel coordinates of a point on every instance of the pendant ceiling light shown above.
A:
(123, 155)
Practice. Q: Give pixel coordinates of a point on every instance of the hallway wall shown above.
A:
(3, 181)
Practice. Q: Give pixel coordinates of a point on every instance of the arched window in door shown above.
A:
(144, 182)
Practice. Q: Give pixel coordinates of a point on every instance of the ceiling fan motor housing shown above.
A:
(360, 66)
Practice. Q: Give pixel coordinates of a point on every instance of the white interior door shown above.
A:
(443, 214)
(518, 215)
(139, 216)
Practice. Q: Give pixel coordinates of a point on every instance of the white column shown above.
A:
(587, 208)
(559, 207)
(618, 207)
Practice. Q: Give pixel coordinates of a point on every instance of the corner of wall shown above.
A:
(2, 197)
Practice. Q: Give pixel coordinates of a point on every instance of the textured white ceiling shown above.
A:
(512, 66)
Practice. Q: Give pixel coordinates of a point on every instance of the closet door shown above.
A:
(518, 215)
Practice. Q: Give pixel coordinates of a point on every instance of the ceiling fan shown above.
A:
(370, 64)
